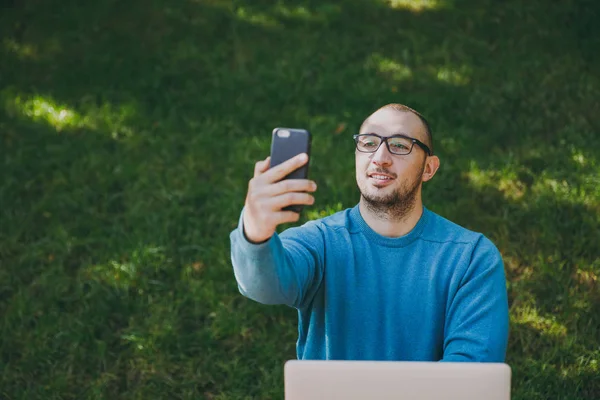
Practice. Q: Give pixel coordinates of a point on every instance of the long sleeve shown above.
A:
(286, 269)
(477, 322)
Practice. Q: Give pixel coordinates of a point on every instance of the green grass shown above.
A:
(129, 130)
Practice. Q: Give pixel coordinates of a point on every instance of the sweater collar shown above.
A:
(360, 225)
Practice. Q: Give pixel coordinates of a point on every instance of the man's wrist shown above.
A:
(250, 240)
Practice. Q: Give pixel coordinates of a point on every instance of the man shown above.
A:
(385, 280)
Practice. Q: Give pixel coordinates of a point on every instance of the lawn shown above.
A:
(129, 130)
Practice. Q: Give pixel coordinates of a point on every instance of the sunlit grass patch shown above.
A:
(45, 109)
(110, 119)
(320, 13)
(454, 76)
(579, 158)
(505, 181)
(415, 5)
(128, 271)
(116, 274)
(389, 67)
(324, 212)
(257, 18)
(566, 191)
(275, 16)
(300, 12)
(529, 315)
(584, 365)
(588, 278)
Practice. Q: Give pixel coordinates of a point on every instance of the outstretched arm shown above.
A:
(268, 268)
(287, 269)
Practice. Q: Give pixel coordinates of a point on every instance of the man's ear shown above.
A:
(431, 166)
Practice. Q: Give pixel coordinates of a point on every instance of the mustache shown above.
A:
(382, 171)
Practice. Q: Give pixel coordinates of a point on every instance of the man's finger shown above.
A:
(287, 216)
(277, 173)
(261, 166)
(292, 185)
(294, 198)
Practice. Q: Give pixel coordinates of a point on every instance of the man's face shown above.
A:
(388, 181)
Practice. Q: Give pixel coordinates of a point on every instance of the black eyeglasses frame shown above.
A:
(385, 139)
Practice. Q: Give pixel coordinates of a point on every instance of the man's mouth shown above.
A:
(380, 178)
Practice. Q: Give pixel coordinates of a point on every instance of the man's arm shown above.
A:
(286, 269)
(267, 270)
(476, 327)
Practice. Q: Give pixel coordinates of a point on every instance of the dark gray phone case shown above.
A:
(283, 148)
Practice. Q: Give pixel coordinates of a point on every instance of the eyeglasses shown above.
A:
(396, 144)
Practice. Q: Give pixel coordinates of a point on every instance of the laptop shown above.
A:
(398, 380)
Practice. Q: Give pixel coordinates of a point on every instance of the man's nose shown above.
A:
(382, 156)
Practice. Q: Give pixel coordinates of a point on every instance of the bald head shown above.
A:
(398, 118)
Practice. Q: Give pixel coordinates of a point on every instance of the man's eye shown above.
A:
(399, 146)
(368, 143)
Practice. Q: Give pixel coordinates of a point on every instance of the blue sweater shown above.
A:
(437, 293)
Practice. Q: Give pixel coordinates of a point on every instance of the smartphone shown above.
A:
(285, 144)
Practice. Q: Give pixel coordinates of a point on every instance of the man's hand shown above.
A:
(268, 194)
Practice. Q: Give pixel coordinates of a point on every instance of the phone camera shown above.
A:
(283, 133)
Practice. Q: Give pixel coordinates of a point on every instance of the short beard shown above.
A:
(395, 206)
